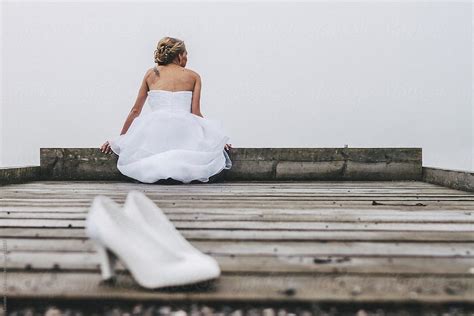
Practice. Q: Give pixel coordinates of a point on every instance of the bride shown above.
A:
(173, 141)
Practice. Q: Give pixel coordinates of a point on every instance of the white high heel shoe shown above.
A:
(152, 263)
(152, 218)
(144, 210)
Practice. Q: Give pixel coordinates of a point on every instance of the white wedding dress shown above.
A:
(171, 142)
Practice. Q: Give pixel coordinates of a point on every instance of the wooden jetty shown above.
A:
(295, 226)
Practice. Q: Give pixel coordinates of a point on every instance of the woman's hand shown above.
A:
(106, 148)
(228, 147)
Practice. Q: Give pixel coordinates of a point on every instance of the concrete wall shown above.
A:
(262, 164)
(456, 179)
(277, 74)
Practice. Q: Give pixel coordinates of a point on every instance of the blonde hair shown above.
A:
(167, 50)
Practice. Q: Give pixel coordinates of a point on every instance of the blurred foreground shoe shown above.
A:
(152, 218)
(151, 262)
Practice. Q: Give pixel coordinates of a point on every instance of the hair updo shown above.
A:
(167, 50)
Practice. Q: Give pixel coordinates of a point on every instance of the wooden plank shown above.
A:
(319, 183)
(314, 216)
(262, 225)
(247, 288)
(247, 193)
(248, 187)
(292, 188)
(295, 235)
(398, 249)
(241, 185)
(251, 209)
(267, 206)
(243, 202)
(295, 189)
(82, 261)
(324, 211)
(256, 197)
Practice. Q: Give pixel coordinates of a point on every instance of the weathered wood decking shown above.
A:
(314, 241)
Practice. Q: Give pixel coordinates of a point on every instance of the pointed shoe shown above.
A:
(152, 218)
(151, 263)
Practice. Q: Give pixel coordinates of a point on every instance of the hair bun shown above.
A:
(167, 50)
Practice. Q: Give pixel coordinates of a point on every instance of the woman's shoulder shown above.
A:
(192, 72)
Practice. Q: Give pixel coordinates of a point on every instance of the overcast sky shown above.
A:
(276, 74)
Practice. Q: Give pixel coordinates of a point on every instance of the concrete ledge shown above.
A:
(10, 175)
(79, 164)
(325, 164)
(264, 164)
(455, 179)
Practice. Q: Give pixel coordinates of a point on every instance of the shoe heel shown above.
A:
(107, 262)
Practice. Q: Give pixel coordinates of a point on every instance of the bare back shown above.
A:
(169, 78)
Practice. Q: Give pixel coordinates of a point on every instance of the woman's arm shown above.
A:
(196, 105)
(138, 106)
(136, 109)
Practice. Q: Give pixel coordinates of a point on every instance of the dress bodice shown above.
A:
(170, 100)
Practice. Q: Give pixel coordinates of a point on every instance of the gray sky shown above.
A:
(276, 74)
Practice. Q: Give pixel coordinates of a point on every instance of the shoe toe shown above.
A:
(212, 267)
(205, 267)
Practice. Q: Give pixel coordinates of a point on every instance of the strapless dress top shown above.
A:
(170, 100)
